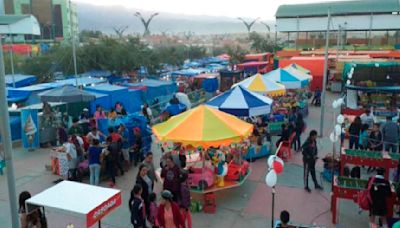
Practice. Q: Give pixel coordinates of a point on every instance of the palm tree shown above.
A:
(248, 25)
(146, 23)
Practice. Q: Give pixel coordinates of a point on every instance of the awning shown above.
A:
(92, 201)
(379, 89)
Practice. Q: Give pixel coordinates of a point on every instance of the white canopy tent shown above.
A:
(19, 24)
(92, 201)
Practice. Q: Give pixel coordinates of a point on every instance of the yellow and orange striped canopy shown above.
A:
(203, 126)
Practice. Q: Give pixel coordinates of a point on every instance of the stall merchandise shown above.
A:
(91, 201)
(261, 84)
(241, 102)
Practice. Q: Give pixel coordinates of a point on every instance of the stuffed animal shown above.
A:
(222, 168)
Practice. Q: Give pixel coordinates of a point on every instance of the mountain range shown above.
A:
(105, 19)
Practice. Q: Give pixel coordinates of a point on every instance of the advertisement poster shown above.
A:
(30, 128)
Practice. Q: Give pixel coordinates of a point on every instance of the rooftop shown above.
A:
(338, 8)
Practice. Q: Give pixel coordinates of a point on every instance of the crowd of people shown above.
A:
(174, 209)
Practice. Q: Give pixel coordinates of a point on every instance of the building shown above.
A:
(55, 16)
(367, 18)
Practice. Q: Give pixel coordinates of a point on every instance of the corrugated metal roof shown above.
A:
(11, 19)
(338, 8)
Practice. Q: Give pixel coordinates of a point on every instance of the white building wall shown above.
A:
(357, 22)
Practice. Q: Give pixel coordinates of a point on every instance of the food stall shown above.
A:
(375, 86)
(93, 202)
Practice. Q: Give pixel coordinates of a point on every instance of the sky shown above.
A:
(265, 9)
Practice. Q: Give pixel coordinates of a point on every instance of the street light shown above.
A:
(146, 23)
(247, 24)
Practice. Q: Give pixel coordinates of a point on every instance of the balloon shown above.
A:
(335, 104)
(338, 129)
(271, 159)
(333, 137)
(278, 167)
(340, 101)
(340, 119)
(271, 178)
(350, 75)
(348, 82)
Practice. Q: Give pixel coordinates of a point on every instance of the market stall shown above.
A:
(291, 79)
(261, 84)
(93, 202)
(373, 85)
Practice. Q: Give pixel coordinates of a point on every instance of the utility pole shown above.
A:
(11, 52)
(73, 43)
(321, 127)
(6, 138)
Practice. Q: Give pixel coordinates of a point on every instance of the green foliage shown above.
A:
(260, 43)
(236, 53)
(119, 56)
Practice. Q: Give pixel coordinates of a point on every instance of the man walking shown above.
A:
(390, 131)
(310, 151)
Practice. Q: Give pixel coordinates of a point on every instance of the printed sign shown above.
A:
(30, 128)
(103, 209)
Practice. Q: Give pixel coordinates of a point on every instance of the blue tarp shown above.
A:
(21, 80)
(175, 109)
(189, 72)
(98, 73)
(15, 126)
(103, 100)
(130, 100)
(82, 81)
(29, 94)
(210, 85)
(156, 88)
(113, 79)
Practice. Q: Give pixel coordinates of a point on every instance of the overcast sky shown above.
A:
(231, 8)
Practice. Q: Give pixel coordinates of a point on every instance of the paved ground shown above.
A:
(245, 206)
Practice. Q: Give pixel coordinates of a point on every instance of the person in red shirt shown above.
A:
(169, 215)
(114, 135)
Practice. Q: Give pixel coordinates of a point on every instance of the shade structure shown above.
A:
(91, 201)
(290, 79)
(67, 94)
(298, 67)
(203, 126)
(260, 84)
(241, 102)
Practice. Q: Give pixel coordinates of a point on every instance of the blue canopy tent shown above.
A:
(241, 102)
(189, 72)
(119, 94)
(82, 81)
(289, 79)
(156, 88)
(101, 99)
(98, 73)
(29, 94)
(21, 80)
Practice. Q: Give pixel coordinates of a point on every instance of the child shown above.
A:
(153, 210)
(184, 203)
(363, 139)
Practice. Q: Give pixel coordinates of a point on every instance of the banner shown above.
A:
(102, 210)
(30, 128)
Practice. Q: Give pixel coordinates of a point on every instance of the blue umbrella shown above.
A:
(290, 79)
(241, 102)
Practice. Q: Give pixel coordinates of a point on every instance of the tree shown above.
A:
(267, 27)
(248, 25)
(236, 53)
(260, 44)
(146, 23)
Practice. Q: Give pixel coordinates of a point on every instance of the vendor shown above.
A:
(95, 134)
(112, 114)
(75, 129)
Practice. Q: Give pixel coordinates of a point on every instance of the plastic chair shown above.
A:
(285, 151)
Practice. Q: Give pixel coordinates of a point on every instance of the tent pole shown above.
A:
(6, 138)
(321, 129)
(73, 43)
(99, 223)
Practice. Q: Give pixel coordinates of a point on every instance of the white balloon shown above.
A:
(348, 82)
(340, 101)
(333, 138)
(338, 129)
(340, 119)
(271, 178)
(334, 104)
(271, 159)
(350, 75)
